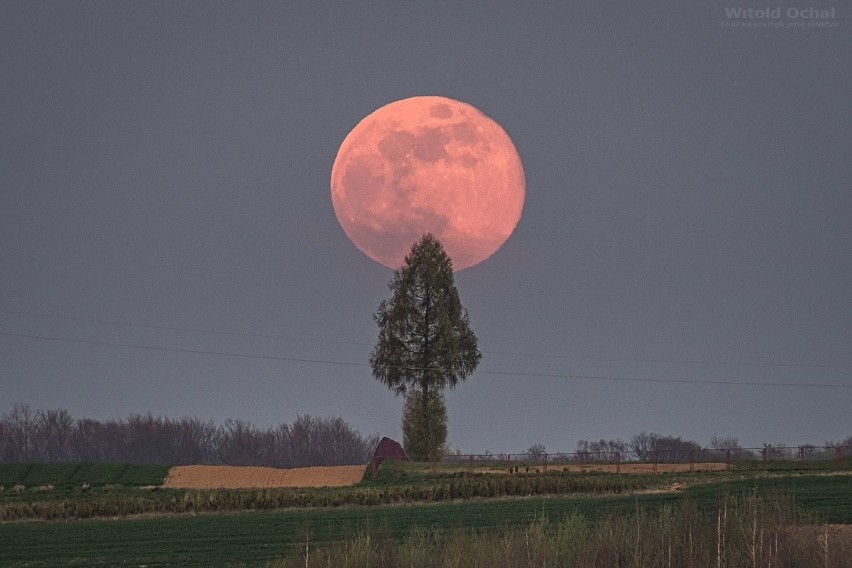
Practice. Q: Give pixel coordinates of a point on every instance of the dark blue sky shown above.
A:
(687, 215)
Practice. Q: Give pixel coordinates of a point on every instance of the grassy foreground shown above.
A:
(257, 538)
(749, 531)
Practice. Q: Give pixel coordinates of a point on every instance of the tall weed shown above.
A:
(756, 532)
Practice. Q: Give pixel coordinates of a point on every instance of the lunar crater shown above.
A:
(441, 111)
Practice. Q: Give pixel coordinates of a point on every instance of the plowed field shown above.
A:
(232, 477)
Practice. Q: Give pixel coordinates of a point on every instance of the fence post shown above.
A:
(375, 466)
(691, 461)
(545, 463)
(728, 459)
(765, 456)
(617, 462)
(470, 464)
(509, 463)
(802, 455)
(838, 455)
(583, 462)
(656, 457)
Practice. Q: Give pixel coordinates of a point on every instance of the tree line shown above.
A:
(28, 435)
(646, 446)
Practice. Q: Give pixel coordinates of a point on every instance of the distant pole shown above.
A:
(656, 458)
(728, 459)
(470, 464)
(545, 463)
(509, 463)
(617, 462)
(691, 461)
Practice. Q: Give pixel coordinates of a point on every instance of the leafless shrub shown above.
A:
(602, 450)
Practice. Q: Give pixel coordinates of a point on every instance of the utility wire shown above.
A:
(708, 362)
(189, 329)
(176, 349)
(485, 372)
(683, 361)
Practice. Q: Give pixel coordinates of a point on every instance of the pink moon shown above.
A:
(428, 165)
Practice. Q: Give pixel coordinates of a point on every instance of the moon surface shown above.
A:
(428, 165)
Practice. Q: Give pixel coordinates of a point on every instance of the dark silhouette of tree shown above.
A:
(425, 342)
(646, 446)
(536, 450)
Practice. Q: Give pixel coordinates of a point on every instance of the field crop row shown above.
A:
(76, 503)
(255, 538)
(63, 475)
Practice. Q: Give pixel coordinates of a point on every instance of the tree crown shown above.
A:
(425, 340)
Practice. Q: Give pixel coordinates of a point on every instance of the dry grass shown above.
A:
(745, 531)
(233, 477)
(647, 467)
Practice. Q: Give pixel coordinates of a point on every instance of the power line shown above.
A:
(707, 362)
(189, 329)
(176, 349)
(683, 361)
(484, 372)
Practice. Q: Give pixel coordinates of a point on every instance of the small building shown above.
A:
(388, 449)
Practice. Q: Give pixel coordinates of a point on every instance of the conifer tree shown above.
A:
(425, 343)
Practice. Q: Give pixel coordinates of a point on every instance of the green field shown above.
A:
(254, 538)
(71, 475)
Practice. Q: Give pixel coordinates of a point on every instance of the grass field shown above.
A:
(257, 537)
(68, 475)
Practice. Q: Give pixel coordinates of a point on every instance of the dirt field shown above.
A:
(231, 477)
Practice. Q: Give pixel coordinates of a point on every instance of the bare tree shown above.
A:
(603, 450)
(20, 433)
(674, 448)
(240, 443)
(193, 441)
(53, 435)
(54, 429)
(724, 446)
(642, 445)
(536, 450)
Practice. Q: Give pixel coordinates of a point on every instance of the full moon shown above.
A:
(428, 165)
